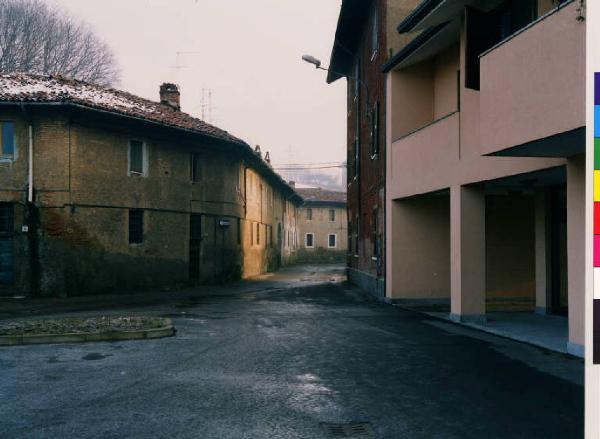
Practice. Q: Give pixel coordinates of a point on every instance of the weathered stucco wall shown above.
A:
(321, 226)
(83, 195)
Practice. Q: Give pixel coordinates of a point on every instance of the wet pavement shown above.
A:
(279, 356)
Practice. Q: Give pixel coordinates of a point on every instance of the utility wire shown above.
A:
(309, 168)
(310, 164)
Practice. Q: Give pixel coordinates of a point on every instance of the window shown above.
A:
(376, 234)
(356, 235)
(375, 34)
(257, 234)
(309, 214)
(137, 158)
(136, 226)
(7, 139)
(375, 131)
(195, 167)
(332, 241)
(6, 218)
(356, 157)
(332, 215)
(309, 240)
(240, 183)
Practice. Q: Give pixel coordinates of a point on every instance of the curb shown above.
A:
(14, 340)
(490, 331)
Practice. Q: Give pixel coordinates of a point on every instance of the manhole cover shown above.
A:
(362, 429)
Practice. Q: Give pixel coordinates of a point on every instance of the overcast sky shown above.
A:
(248, 52)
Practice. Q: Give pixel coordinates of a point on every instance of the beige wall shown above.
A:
(267, 212)
(445, 82)
(420, 248)
(414, 85)
(321, 227)
(531, 86)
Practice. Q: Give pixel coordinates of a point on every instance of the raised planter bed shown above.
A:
(76, 330)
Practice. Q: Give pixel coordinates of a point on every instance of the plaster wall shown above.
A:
(531, 85)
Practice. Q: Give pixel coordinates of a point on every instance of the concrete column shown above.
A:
(576, 253)
(467, 253)
(541, 271)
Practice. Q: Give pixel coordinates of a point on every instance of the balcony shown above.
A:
(532, 98)
(424, 160)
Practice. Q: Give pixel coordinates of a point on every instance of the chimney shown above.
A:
(257, 151)
(169, 95)
(267, 158)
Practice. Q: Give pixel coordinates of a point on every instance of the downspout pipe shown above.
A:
(32, 213)
(30, 166)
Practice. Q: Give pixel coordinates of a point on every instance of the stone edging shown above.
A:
(13, 340)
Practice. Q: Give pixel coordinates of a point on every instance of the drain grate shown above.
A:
(362, 429)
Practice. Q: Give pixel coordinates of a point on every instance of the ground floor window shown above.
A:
(136, 226)
(6, 218)
(309, 240)
(332, 241)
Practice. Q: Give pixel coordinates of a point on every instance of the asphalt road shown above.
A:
(278, 357)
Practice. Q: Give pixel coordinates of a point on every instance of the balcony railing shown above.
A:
(532, 85)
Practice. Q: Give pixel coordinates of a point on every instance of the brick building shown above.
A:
(104, 191)
(365, 37)
(322, 226)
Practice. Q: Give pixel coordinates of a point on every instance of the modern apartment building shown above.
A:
(485, 134)
(104, 191)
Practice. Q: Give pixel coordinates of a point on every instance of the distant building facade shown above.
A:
(323, 226)
(104, 191)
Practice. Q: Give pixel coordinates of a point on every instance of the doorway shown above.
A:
(195, 247)
(6, 249)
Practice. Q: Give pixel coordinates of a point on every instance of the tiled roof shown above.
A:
(31, 88)
(25, 87)
(321, 195)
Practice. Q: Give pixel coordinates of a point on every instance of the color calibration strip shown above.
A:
(597, 186)
(596, 285)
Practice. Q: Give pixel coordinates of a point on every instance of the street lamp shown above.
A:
(312, 60)
(317, 63)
